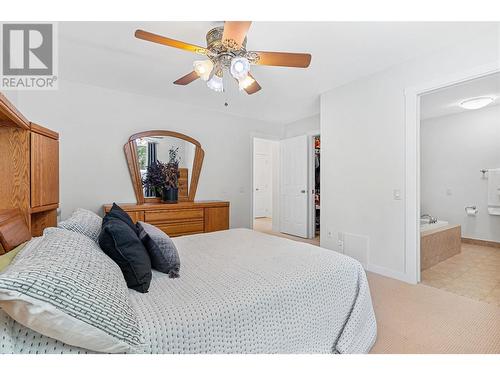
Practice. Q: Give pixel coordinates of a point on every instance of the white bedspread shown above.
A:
(242, 291)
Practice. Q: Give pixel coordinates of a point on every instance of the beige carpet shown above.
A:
(423, 319)
(418, 319)
(265, 225)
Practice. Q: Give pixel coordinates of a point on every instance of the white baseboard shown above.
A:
(390, 273)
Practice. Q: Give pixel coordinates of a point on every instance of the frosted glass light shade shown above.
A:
(240, 67)
(203, 68)
(245, 82)
(215, 83)
(476, 103)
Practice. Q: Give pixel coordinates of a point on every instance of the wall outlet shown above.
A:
(449, 191)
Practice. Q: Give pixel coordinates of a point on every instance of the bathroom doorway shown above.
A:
(459, 188)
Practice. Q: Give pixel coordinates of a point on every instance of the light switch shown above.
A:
(449, 192)
(396, 193)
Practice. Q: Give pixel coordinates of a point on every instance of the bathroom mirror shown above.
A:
(146, 148)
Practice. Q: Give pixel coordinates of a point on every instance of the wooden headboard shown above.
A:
(29, 168)
(13, 230)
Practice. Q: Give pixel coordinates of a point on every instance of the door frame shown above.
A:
(311, 212)
(412, 160)
(276, 212)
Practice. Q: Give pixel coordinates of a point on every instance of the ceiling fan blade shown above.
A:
(235, 31)
(187, 79)
(254, 87)
(150, 37)
(293, 60)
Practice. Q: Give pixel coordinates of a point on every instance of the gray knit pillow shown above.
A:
(63, 286)
(84, 222)
(161, 249)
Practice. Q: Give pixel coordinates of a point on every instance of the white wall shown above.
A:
(94, 123)
(363, 150)
(453, 150)
(302, 126)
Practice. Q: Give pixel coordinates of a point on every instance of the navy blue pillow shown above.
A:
(117, 212)
(121, 243)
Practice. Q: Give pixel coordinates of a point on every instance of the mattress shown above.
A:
(242, 291)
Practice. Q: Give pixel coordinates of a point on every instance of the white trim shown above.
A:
(269, 137)
(412, 162)
(388, 273)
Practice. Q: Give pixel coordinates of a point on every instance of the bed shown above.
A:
(241, 291)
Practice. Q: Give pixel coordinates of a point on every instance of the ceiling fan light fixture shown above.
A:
(245, 82)
(215, 83)
(240, 66)
(203, 68)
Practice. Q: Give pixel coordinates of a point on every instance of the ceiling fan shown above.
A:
(226, 52)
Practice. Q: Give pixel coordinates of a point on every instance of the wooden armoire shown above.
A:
(29, 168)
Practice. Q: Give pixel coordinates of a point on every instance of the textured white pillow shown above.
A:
(63, 286)
(83, 221)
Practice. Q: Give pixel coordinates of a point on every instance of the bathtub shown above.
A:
(438, 241)
(425, 225)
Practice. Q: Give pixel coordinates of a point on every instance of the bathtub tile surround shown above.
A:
(438, 244)
(474, 273)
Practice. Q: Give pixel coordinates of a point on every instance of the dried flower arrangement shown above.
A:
(163, 176)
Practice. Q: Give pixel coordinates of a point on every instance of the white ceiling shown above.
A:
(107, 54)
(446, 101)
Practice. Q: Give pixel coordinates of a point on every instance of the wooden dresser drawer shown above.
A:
(181, 218)
(136, 215)
(174, 215)
(181, 228)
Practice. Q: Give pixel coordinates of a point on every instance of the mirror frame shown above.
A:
(130, 149)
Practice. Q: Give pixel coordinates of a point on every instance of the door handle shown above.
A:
(303, 191)
(256, 189)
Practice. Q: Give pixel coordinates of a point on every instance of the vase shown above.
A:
(170, 195)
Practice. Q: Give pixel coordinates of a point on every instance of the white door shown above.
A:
(262, 186)
(294, 186)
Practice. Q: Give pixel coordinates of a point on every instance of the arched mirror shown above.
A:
(156, 147)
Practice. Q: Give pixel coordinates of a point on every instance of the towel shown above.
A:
(494, 191)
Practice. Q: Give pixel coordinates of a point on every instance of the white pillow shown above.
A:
(83, 221)
(63, 286)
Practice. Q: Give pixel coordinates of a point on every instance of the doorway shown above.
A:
(316, 204)
(265, 184)
(412, 162)
(286, 187)
(460, 177)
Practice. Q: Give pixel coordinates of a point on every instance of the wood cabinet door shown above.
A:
(44, 170)
(216, 218)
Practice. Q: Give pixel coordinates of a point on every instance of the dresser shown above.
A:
(180, 218)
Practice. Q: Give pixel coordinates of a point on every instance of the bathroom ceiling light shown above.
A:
(476, 103)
